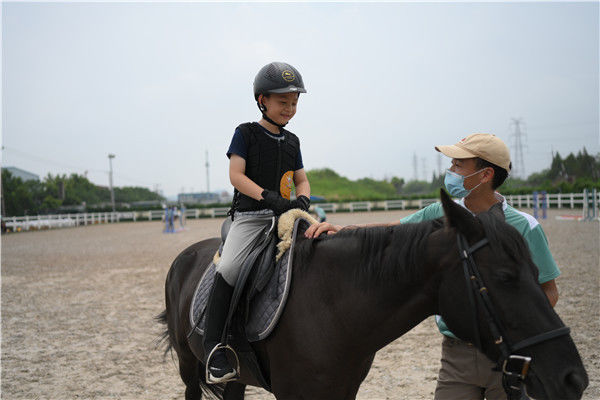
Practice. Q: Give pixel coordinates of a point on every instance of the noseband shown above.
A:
(514, 367)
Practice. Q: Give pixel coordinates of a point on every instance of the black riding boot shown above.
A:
(216, 313)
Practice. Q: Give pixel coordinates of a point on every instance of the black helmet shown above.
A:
(278, 77)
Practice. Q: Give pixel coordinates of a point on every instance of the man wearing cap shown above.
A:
(480, 164)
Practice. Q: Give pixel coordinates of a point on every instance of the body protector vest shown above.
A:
(270, 164)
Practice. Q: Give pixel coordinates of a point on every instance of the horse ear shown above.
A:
(497, 211)
(457, 216)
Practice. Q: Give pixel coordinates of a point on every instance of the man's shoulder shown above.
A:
(432, 211)
(520, 220)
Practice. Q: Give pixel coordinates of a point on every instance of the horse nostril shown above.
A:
(577, 381)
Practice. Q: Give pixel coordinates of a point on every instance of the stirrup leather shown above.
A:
(226, 347)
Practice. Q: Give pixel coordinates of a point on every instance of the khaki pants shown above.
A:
(466, 374)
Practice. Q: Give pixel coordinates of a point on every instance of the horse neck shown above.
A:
(380, 310)
(401, 315)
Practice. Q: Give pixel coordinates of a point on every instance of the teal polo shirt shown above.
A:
(528, 226)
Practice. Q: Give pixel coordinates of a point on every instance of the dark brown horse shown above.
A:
(357, 291)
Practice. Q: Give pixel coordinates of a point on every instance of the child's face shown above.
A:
(281, 107)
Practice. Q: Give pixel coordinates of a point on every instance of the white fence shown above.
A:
(30, 222)
(555, 200)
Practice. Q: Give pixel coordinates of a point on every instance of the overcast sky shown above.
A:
(159, 85)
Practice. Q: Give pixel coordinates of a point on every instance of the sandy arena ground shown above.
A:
(78, 307)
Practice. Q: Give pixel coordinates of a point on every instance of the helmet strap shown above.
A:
(263, 109)
(271, 121)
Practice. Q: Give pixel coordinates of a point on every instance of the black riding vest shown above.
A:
(268, 163)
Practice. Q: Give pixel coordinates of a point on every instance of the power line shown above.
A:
(48, 161)
(71, 167)
(562, 125)
(133, 180)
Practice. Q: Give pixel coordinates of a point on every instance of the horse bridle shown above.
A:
(514, 367)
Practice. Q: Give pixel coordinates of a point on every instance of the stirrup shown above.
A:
(226, 347)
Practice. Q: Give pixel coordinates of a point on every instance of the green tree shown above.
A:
(398, 184)
(416, 187)
(131, 194)
(51, 203)
(18, 198)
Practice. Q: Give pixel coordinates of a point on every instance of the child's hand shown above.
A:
(279, 205)
(275, 202)
(302, 202)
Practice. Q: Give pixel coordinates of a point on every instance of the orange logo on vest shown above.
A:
(285, 185)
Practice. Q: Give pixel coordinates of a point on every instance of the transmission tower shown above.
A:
(415, 167)
(518, 135)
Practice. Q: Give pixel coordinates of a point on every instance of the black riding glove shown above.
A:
(275, 202)
(302, 202)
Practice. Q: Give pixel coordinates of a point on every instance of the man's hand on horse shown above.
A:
(315, 230)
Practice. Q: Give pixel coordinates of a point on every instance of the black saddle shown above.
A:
(258, 298)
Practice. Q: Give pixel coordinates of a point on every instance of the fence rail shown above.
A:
(29, 222)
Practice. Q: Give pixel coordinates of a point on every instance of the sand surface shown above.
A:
(78, 307)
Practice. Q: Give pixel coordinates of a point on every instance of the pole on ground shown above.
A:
(590, 204)
(544, 204)
(586, 205)
(595, 203)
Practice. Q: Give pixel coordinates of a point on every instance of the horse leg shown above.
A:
(234, 391)
(189, 370)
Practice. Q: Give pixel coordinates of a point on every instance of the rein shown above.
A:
(514, 367)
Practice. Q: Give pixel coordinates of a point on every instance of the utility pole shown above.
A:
(110, 181)
(2, 205)
(207, 174)
(517, 136)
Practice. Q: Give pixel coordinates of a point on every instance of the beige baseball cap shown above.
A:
(483, 145)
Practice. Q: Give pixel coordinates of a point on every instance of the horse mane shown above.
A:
(388, 254)
(391, 254)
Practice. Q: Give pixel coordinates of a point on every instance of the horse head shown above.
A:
(489, 295)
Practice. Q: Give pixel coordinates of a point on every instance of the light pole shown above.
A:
(207, 174)
(110, 181)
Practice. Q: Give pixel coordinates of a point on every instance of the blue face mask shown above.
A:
(455, 183)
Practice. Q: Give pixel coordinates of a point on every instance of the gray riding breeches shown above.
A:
(246, 230)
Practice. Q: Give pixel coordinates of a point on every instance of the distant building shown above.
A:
(203, 198)
(225, 197)
(24, 175)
